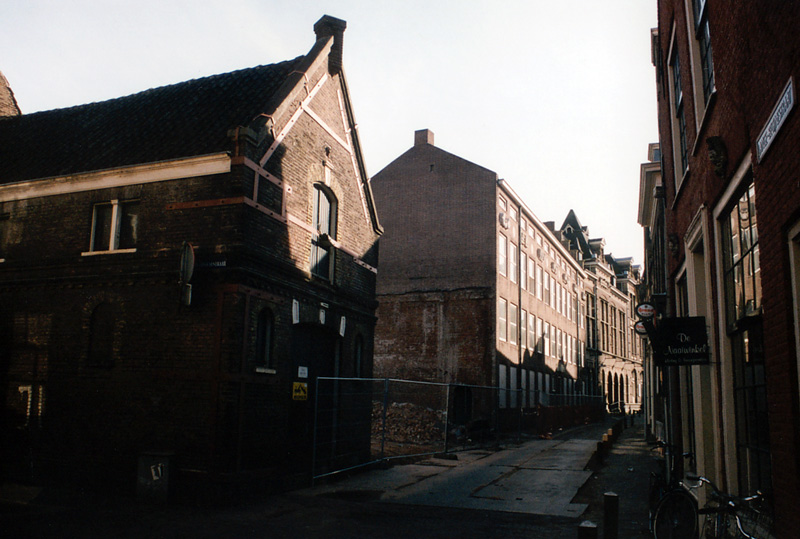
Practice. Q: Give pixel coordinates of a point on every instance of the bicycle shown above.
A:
(673, 509)
(729, 516)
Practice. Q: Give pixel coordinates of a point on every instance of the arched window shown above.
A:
(101, 336)
(324, 230)
(265, 329)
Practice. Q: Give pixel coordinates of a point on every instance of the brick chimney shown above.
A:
(423, 136)
(329, 26)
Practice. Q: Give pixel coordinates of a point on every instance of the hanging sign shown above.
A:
(646, 310)
(682, 341)
(640, 328)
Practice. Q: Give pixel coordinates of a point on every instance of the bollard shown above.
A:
(587, 530)
(610, 516)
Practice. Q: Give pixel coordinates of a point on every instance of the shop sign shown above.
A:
(645, 310)
(682, 341)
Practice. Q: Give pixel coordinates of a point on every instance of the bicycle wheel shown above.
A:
(718, 526)
(676, 516)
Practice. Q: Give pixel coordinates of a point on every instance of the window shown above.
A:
(523, 271)
(502, 319)
(742, 280)
(115, 226)
(523, 329)
(539, 282)
(742, 271)
(704, 43)
(546, 339)
(540, 335)
(532, 321)
(512, 323)
(531, 276)
(324, 230)
(512, 263)
(547, 288)
(265, 327)
(501, 254)
(679, 130)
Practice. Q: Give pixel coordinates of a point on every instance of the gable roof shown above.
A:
(191, 118)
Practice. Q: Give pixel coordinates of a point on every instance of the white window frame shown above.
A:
(513, 323)
(113, 240)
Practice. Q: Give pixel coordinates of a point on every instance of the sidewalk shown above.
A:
(625, 472)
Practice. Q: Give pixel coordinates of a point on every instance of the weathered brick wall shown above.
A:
(442, 337)
(182, 378)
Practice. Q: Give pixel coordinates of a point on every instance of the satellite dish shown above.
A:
(187, 262)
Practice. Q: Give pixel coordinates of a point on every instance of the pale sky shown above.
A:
(558, 98)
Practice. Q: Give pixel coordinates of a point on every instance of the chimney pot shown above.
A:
(423, 136)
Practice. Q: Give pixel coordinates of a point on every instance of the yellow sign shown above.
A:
(300, 391)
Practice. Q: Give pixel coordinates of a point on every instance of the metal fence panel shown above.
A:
(362, 421)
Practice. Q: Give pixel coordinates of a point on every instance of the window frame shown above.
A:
(115, 227)
(264, 357)
(322, 251)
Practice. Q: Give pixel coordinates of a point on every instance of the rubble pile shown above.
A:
(408, 423)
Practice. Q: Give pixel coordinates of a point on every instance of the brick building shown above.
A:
(177, 267)
(474, 289)
(726, 80)
(613, 349)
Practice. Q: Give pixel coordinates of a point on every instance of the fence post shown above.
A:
(610, 516)
(520, 396)
(587, 530)
(383, 419)
(447, 420)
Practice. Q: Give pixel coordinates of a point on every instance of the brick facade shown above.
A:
(101, 360)
(455, 304)
(753, 51)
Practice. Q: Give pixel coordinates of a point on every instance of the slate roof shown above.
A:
(181, 120)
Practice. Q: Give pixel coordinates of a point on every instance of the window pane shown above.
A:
(101, 234)
(128, 225)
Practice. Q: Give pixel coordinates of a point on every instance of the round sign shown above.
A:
(646, 310)
(640, 328)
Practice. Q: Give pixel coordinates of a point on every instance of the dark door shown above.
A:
(314, 354)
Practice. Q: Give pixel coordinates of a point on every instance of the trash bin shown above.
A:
(153, 476)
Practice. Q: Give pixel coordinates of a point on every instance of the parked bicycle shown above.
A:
(729, 516)
(673, 509)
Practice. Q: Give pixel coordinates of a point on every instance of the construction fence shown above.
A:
(364, 421)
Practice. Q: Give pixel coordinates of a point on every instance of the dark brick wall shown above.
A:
(180, 378)
(755, 51)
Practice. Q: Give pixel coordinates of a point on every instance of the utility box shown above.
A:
(153, 476)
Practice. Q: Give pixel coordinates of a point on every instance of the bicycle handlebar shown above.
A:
(728, 499)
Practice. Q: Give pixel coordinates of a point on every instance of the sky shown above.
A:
(558, 98)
